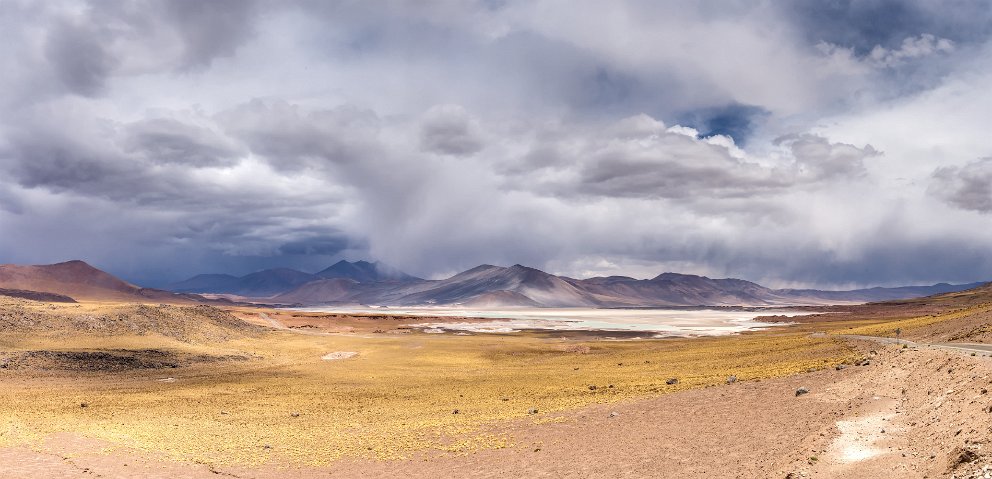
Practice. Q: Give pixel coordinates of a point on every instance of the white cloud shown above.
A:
(911, 49)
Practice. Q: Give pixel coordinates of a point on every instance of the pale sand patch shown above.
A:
(338, 355)
(858, 438)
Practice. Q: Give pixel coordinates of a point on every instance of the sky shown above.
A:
(797, 144)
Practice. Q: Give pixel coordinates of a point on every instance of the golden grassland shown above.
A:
(395, 398)
(875, 327)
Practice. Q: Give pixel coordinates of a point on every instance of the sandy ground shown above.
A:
(911, 412)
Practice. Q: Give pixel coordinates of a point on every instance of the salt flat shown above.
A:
(657, 322)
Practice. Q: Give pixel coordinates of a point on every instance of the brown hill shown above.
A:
(182, 322)
(36, 296)
(79, 280)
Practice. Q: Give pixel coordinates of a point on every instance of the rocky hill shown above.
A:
(78, 280)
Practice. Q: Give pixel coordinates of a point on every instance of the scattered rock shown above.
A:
(671, 381)
(841, 367)
(731, 379)
(614, 414)
(454, 412)
(294, 414)
(532, 411)
(962, 456)
(801, 391)
(592, 387)
(84, 404)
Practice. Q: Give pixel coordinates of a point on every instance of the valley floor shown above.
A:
(912, 413)
(408, 404)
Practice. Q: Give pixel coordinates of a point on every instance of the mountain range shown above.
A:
(365, 283)
(271, 282)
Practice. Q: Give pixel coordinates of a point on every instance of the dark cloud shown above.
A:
(639, 158)
(49, 157)
(211, 29)
(968, 187)
(880, 261)
(163, 140)
(449, 130)
(818, 159)
(291, 137)
(10, 201)
(865, 24)
(87, 46)
(326, 246)
(678, 167)
(78, 58)
(150, 162)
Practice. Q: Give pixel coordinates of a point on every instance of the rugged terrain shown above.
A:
(145, 390)
(487, 286)
(521, 286)
(184, 323)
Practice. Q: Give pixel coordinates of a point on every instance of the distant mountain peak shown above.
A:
(73, 262)
(677, 276)
(73, 265)
(365, 272)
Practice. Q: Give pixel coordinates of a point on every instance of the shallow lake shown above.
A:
(658, 322)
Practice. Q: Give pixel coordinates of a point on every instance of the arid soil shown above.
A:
(909, 412)
(185, 323)
(329, 396)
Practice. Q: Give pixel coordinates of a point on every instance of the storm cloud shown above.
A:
(806, 144)
(967, 187)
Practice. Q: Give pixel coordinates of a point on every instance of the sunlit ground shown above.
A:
(396, 397)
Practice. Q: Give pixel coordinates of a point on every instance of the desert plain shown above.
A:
(122, 389)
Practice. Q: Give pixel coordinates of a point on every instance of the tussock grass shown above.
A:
(392, 400)
(888, 328)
